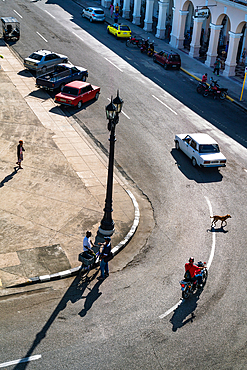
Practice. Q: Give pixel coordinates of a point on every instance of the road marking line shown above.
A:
(208, 264)
(25, 359)
(125, 115)
(113, 64)
(78, 36)
(50, 14)
(41, 36)
(164, 104)
(17, 13)
(213, 243)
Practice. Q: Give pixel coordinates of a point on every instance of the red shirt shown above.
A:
(193, 270)
(204, 79)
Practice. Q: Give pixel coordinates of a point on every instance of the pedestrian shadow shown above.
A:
(184, 313)
(9, 177)
(73, 294)
(218, 230)
(92, 296)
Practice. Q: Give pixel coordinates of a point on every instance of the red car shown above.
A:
(76, 93)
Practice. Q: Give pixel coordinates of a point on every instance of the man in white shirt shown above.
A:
(87, 246)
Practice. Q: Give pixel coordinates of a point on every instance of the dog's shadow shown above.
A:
(218, 230)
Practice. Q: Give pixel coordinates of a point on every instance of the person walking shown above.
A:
(104, 268)
(20, 150)
(217, 67)
(111, 9)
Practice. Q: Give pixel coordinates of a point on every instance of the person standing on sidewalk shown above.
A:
(20, 150)
(217, 66)
(117, 8)
(104, 268)
(111, 9)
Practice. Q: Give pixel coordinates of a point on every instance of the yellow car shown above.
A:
(119, 30)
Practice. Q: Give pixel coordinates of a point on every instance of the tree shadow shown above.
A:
(185, 309)
(9, 177)
(73, 294)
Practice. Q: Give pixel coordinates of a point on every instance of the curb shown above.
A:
(76, 270)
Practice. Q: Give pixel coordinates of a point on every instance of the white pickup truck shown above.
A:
(203, 150)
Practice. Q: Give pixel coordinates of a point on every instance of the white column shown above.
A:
(148, 21)
(230, 63)
(137, 12)
(106, 3)
(161, 27)
(195, 42)
(213, 44)
(126, 9)
(177, 35)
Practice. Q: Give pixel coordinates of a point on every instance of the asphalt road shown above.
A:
(122, 323)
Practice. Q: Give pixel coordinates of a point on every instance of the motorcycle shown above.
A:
(215, 90)
(201, 87)
(188, 287)
(133, 40)
(150, 51)
(144, 45)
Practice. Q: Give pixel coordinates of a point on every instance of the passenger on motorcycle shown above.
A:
(204, 78)
(194, 271)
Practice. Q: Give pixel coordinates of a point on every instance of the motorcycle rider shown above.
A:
(194, 271)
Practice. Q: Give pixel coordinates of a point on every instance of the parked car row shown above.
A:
(75, 91)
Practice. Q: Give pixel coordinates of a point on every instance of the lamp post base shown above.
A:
(106, 232)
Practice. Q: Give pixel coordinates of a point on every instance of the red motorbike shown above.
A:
(133, 40)
(215, 90)
(144, 46)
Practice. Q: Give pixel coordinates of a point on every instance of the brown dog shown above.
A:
(220, 218)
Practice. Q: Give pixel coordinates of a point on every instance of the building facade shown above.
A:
(214, 29)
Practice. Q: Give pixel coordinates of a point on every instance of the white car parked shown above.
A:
(94, 14)
(203, 150)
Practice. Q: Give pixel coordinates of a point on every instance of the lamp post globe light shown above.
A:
(113, 109)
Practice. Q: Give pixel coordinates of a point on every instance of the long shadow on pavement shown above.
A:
(184, 310)
(73, 294)
(9, 177)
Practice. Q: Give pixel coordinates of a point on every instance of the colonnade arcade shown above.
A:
(221, 34)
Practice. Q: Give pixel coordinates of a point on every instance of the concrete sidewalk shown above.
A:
(191, 66)
(47, 206)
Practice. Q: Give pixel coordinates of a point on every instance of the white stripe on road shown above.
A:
(17, 13)
(78, 36)
(41, 36)
(164, 104)
(208, 264)
(213, 243)
(121, 111)
(113, 64)
(50, 14)
(25, 359)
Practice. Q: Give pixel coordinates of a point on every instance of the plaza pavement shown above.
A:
(47, 206)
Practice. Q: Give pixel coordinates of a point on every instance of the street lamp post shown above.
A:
(112, 114)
